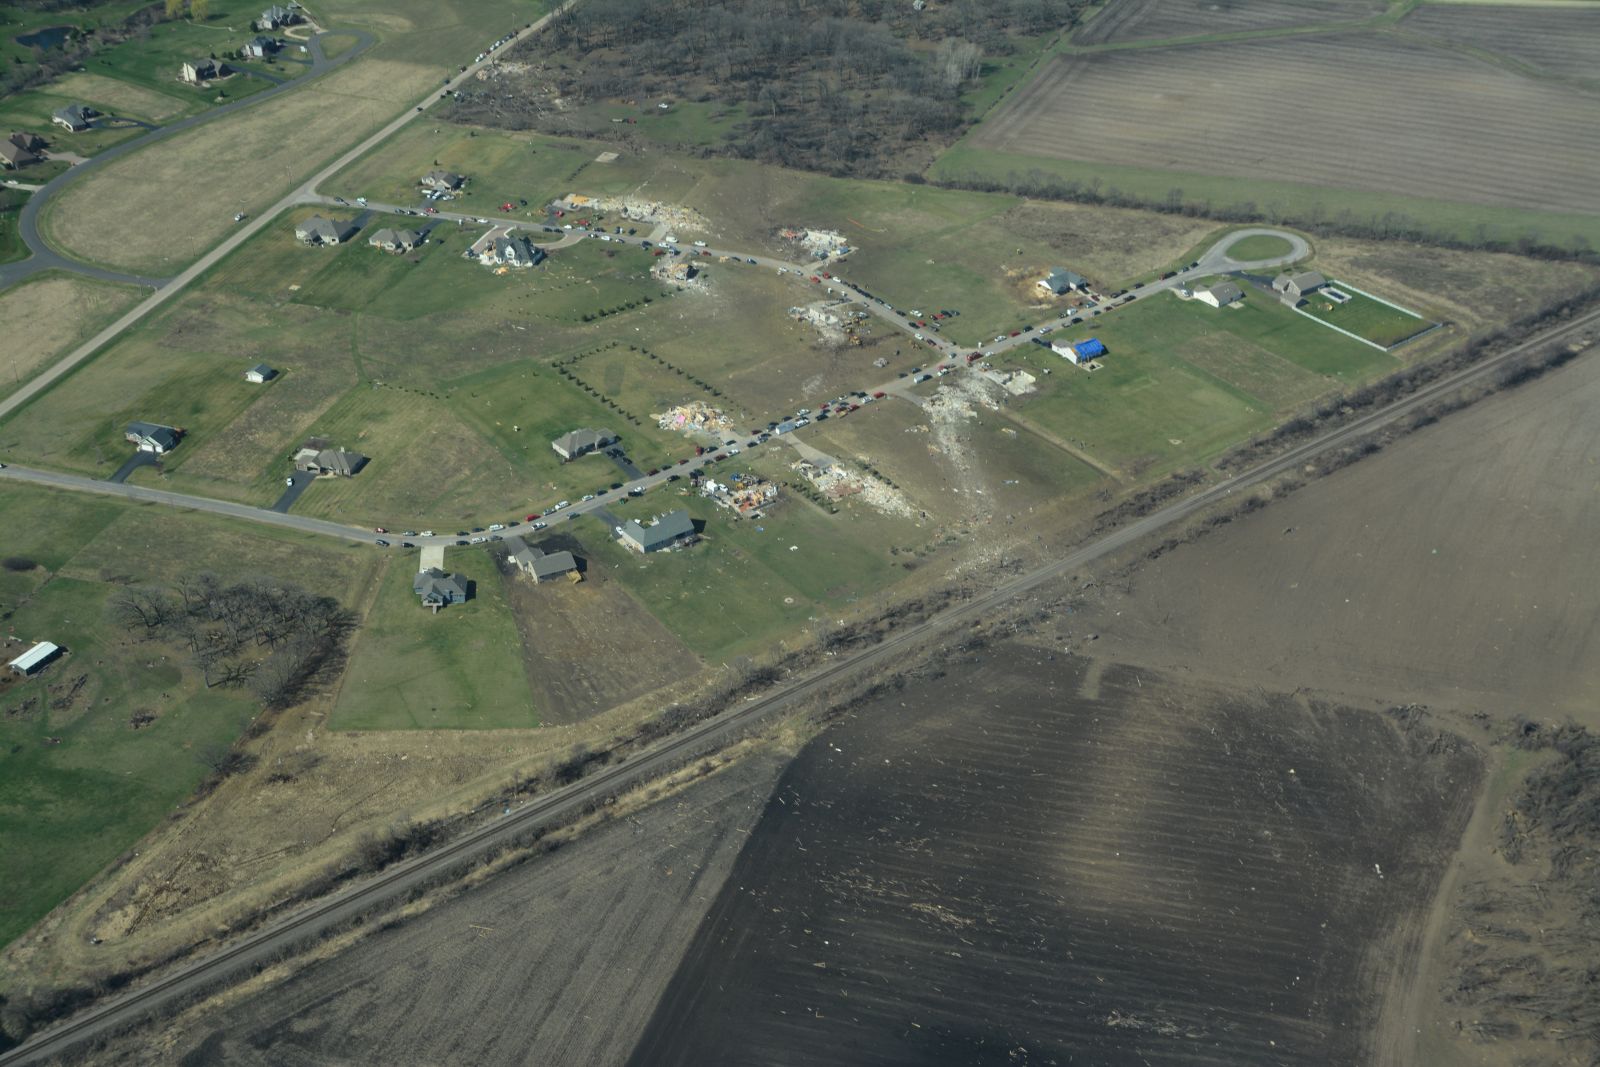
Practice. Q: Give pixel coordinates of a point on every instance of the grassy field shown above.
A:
(79, 784)
(1121, 131)
(1259, 246)
(1365, 317)
(31, 109)
(1182, 380)
(462, 668)
(61, 311)
(12, 247)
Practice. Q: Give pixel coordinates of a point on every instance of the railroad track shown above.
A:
(207, 974)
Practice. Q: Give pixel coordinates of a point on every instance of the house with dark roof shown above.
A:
(1219, 294)
(576, 443)
(436, 588)
(260, 373)
(276, 16)
(1293, 286)
(196, 71)
(13, 155)
(395, 240)
(152, 436)
(442, 180)
(75, 118)
(542, 566)
(329, 461)
(513, 250)
(319, 231)
(1060, 281)
(28, 142)
(259, 48)
(673, 528)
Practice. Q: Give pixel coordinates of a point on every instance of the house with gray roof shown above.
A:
(436, 588)
(75, 117)
(196, 71)
(443, 180)
(542, 566)
(259, 47)
(576, 443)
(391, 239)
(513, 250)
(1219, 294)
(13, 155)
(329, 461)
(152, 436)
(319, 231)
(1060, 281)
(276, 16)
(1293, 286)
(673, 528)
(28, 142)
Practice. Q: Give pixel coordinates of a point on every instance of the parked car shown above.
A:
(382, 543)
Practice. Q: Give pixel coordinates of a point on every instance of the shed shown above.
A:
(34, 660)
(260, 373)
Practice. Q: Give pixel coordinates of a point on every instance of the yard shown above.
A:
(61, 311)
(412, 669)
(1366, 317)
(96, 750)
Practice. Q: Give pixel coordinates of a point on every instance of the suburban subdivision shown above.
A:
(751, 532)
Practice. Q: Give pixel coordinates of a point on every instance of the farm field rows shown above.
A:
(1553, 40)
(1145, 20)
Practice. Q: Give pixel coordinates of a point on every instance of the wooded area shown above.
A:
(843, 86)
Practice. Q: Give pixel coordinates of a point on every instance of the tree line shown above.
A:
(274, 638)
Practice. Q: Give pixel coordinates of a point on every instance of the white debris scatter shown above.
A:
(826, 321)
(695, 417)
(823, 244)
(839, 481)
(1015, 382)
(638, 209)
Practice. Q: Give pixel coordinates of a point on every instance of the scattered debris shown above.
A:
(695, 417)
(837, 481)
(823, 244)
(744, 493)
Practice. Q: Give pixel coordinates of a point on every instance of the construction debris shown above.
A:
(838, 482)
(674, 216)
(695, 417)
(823, 244)
(1015, 382)
(744, 493)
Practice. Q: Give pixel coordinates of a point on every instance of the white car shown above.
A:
(426, 533)
(699, 244)
(495, 527)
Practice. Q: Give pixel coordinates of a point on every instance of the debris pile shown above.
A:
(829, 326)
(838, 482)
(679, 272)
(636, 209)
(823, 244)
(1015, 382)
(695, 417)
(743, 493)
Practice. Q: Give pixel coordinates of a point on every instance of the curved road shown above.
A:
(249, 228)
(45, 258)
(207, 975)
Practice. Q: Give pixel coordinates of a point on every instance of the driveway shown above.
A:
(134, 462)
(297, 485)
(624, 464)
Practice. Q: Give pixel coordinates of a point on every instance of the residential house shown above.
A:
(319, 231)
(442, 180)
(75, 117)
(196, 71)
(1079, 352)
(541, 565)
(13, 155)
(580, 442)
(1294, 286)
(1060, 281)
(153, 437)
(1219, 294)
(513, 250)
(329, 461)
(28, 142)
(436, 588)
(395, 240)
(34, 660)
(670, 529)
(260, 373)
(276, 16)
(259, 48)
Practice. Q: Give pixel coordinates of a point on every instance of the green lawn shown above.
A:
(79, 784)
(1290, 202)
(462, 668)
(11, 246)
(1365, 317)
(1259, 246)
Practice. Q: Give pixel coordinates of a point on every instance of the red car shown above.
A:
(879, 395)
(1016, 333)
(699, 450)
(530, 518)
(825, 274)
(659, 252)
(816, 279)
(379, 529)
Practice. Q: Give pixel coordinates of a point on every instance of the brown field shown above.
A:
(60, 311)
(589, 646)
(1397, 117)
(538, 954)
(124, 97)
(247, 163)
(1439, 572)
(1144, 20)
(1552, 40)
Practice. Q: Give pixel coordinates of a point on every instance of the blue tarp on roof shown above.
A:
(1090, 348)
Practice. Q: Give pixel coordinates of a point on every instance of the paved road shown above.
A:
(45, 258)
(250, 228)
(207, 975)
